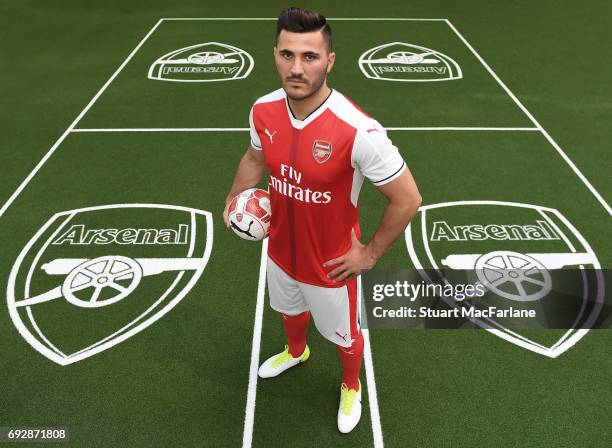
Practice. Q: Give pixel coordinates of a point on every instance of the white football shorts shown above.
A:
(335, 311)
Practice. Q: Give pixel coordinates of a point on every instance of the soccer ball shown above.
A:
(249, 214)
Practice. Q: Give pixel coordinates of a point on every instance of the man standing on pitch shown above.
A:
(318, 147)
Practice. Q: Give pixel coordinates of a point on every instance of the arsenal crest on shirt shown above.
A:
(321, 150)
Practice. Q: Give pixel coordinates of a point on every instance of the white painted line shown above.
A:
(372, 394)
(424, 128)
(160, 130)
(220, 18)
(52, 294)
(581, 176)
(459, 128)
(42, 336)
(372, 19)
(27, 180)
(388, 19)
(249, 415)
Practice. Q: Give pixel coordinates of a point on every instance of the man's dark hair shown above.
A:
(298, 20)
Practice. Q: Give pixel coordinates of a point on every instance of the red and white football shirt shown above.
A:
(317, 167)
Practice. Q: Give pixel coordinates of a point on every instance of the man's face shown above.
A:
(303, 62)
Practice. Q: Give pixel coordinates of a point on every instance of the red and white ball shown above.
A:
(249, 214)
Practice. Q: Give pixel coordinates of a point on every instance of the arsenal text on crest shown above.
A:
(321, 150)
(78, 234)
(541, 230)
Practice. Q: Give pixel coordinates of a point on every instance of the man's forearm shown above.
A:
(248, 175)
(392, 224)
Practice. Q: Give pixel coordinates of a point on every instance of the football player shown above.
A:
(318, 147)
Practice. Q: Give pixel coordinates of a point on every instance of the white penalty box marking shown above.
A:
(72, 127)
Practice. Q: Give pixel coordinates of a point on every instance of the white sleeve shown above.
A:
(255, 141)
(375, 156)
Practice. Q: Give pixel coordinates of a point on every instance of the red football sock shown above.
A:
(296, 328)
(351, 358)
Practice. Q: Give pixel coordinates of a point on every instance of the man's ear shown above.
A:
(331, 58)
(274, 51)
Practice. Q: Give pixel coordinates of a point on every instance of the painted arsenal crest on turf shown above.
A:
(207, 62)
(91, 278)
(400, 61)
(516, 251)
(321, 150)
